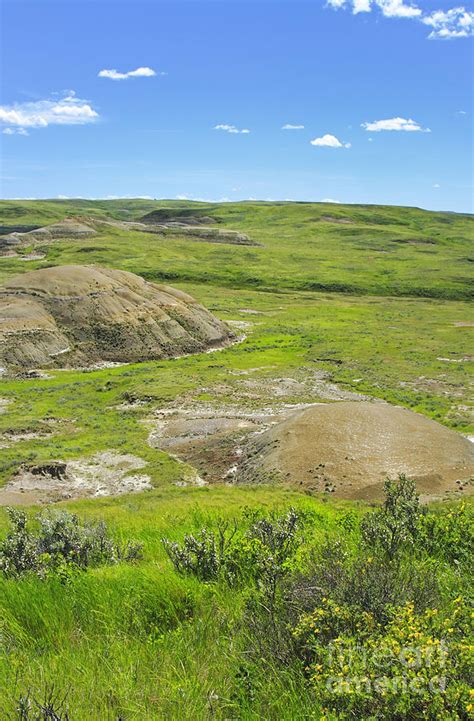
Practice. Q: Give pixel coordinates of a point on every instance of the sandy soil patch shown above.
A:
(207, 436)
(240, 324)
(32, 256)
(8, 439)
(332, 219)
(105, 474)
(465, 359)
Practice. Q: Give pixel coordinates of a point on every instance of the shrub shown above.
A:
(262, 552)
(449, 535)
(369, 583)
(395, 526)
(417, 666)
(61, 543)
(206, 555)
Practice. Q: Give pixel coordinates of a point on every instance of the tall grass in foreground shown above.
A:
(143, 641)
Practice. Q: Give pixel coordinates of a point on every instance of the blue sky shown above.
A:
(386, 109)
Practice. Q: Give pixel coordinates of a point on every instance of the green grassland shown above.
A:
(377, 250)
(380, 303)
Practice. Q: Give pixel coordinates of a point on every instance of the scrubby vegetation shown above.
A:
(368, 622)
(310, 611)
(61, 544)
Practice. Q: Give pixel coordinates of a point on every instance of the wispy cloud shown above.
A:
(329, 141)
(389, 8)
(15, 131)
(138, 73)
(454, 23)
(289, 126)
(69, 110)
(404, 124)
(231, 129)
(446, 24)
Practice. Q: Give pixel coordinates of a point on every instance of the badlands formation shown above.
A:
(70, 316)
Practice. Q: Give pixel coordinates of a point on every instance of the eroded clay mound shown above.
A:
(350, 448)
(83, 315)
(67, 228)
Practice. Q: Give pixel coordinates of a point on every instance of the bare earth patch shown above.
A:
(211, 436)
(4, 403)
(105, 474)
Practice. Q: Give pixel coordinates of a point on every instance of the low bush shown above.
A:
(369, 583)
(261, 552)
(60, 544)
(417, 666)
(395, 526)
(206, 555)
(449, 535)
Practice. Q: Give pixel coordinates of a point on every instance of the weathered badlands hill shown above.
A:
(350, 448)
(82, 315)
(69, 228)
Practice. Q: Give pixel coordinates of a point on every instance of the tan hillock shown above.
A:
(75, 315)
(350, 448)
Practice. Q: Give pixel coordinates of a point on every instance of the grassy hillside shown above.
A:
(366, 299)
(315, 247)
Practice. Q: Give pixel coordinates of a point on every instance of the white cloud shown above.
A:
(389, 8)
(329, 141)
(407, 125)
(330, 200)
(446, 24)
(125, 197)
(398, 9)
(138, 73)
(231, 129)
(41, 113)
(436, 185)
(455, 23)
(289, 126)
(361, 6)
(15, 131)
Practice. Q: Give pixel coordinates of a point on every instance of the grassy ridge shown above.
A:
(316, 247)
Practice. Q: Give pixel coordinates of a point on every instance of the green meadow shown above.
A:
(375, 298)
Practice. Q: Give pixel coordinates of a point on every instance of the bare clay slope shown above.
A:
(350, 448)
(83, 315)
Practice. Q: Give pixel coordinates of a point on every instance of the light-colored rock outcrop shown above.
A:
(80, 315)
